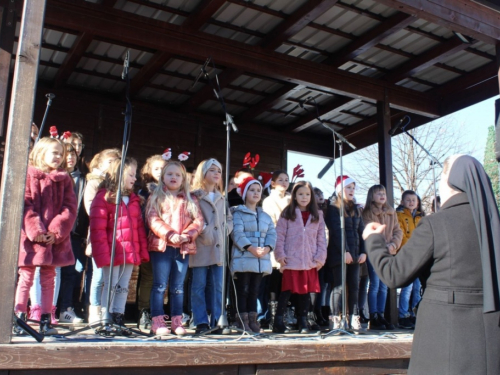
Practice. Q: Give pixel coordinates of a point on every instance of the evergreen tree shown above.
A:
(490, 163)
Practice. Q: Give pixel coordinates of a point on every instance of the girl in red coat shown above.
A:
(131, 244)
(49, 215)
(175, 220)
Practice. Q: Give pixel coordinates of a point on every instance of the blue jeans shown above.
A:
(415, 295)
(96, 285)
(169, 269)
(203, 300)
(377, 292)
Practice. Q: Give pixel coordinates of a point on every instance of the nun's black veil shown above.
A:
(468, 175)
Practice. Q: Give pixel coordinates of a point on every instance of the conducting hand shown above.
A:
(373, 228)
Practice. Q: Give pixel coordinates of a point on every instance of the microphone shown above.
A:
(203, 70)
(302, 104)
(325, 169)
(394, 129)
(126, 65)
(50, 96)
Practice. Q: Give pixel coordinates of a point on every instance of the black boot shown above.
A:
(388, 326)
(304, 302)
(320, 319)
(312, 322)
(279, 324)
(118, 320)
(375, 322)
(273, 307)
(303, 326)
(144, 319)
(362, 316)
(46, 328)
(16, 328)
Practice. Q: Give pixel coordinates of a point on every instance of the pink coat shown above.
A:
(174, 219)
(49, 206)
(131, 244)
(303, 247)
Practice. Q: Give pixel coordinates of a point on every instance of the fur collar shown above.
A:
(56, 175)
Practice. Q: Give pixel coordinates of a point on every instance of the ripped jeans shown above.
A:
(169, 269)
(119, 287)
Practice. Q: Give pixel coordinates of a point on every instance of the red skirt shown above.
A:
(300, 282)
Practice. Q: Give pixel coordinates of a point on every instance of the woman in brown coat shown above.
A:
(456, 253)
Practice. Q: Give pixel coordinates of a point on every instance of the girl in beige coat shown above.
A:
(207, 263)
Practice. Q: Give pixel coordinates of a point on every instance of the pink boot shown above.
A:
(35, 313)
(177, 327)
(53, 319)
(158, 326)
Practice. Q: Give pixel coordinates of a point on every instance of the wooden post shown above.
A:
(7, 34)
(386, 179)
(16, 155)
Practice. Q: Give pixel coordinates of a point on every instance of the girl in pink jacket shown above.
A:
(131, 244)
(175, 220)
(49, 215)
(301, 252)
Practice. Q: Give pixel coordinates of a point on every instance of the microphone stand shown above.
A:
(49, 103)
(340, 140)
(222, 322)
(434, 161)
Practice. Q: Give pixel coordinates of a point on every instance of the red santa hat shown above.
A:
(167, 154)
(244, 185)
(183, 156)
(66, 135)
(347, 180)
(53, 132)
(265, 178)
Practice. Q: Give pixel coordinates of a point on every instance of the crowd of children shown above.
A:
(284, 250)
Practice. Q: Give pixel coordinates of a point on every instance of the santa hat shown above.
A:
(265, 178)
(347, 180)
(183, 156)
(245, 184)
(66, 135)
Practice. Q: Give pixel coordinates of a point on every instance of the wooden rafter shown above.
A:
(429, 58)
(203, 12)
(461, 83)
(74, 55)
(147, 72)
(260, 8)
(371, 38)
(299, 19)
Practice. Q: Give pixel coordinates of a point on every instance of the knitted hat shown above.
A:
(245, 184)
(347, 180)
(208, 164)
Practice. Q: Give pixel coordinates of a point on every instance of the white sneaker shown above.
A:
(69, 316)
(334, 322)
(355, 323)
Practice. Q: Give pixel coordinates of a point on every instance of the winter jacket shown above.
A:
(94, 179)
(303, 246)
(353, 234)
(49, 206)
(273, 205)
(174, 219)
(407, 222)
(255, 229)
(387, 216)
(452, 336)
(209, 244)
(81, 226)
(131, 244)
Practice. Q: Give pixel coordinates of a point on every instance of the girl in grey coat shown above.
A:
(254, 237)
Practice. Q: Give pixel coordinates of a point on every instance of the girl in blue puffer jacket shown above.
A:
(254, 237)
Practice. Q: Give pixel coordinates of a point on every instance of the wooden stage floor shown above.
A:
(87, 353)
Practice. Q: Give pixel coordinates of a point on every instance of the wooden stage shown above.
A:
(215, 354)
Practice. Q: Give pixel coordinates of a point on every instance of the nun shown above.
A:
(456, 255)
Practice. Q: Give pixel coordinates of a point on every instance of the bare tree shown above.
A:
(411, 165)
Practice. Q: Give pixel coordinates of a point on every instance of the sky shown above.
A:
(474, 120)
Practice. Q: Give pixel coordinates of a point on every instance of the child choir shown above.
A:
(284, 250)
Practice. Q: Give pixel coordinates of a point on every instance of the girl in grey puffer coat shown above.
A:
(254, 237)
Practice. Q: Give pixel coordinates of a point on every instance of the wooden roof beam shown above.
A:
(157, 61)
(337, 105)
(72, 58)
(371, 38)
(299, 19)
(260, 8)
(475, 77)
(429, 58)
(133, 29)
(202, 13)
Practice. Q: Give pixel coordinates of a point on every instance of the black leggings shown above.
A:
(247, 290)
(352, 282)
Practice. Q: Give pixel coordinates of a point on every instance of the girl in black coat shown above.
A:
(354, 251)
(456, 254)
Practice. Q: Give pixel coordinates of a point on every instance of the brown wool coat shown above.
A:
(387, 216)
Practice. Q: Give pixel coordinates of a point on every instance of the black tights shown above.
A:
(352, 283)
(247, 290)
(304, 303)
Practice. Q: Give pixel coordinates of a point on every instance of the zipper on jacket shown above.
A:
(258, 230)
(132, 231)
